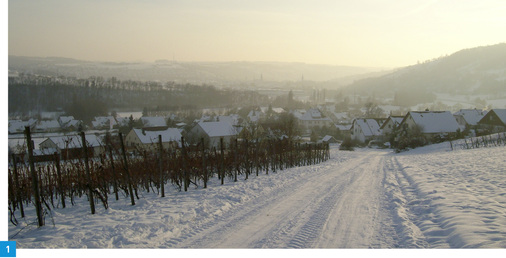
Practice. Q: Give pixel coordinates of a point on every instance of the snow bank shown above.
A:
(455, 198)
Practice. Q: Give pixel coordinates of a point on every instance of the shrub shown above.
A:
(347, 144)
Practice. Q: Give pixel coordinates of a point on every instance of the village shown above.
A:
(318, 124)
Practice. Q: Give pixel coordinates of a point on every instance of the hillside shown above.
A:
(474, 71)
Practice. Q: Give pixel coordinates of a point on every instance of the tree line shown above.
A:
(48, 95)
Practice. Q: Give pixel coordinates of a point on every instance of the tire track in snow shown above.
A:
(412, 212)
(288, 217)
(336, 189)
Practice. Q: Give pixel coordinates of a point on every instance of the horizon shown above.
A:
(359, 34)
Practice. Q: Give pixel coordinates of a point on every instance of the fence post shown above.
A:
(129, 182)
(256, 156)
(247, 165)
(186, 176)
(160, 164)
(236, 161)
(35, 181)
(204, 170)
(222, 169)
(88, 176)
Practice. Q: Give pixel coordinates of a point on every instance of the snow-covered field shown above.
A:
(429, 197)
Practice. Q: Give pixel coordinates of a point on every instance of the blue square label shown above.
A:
(7, 248)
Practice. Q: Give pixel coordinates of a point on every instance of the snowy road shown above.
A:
(337, 205)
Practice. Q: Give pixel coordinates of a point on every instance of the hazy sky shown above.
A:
(381, 33)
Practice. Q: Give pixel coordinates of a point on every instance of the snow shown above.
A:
(370, 127)
(435, 121)
(471, 116)
(74, 141)
(429, 197)
(168, 135)
(153, 121)
(217, 129)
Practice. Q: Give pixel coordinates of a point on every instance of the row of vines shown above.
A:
(484, 141)
(114, 174)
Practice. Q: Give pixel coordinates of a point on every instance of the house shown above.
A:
(365, 129)
(255, 115)
(431, 123)
(103, 122)
(69, 123)
(65, 119)
(122, 121)
(493, 121)
(313, 118)
(70, 147)
(48, 126)
(18, 126)
(469, 118)
(344, 130)
(329, 139)
(143, 139)
(212, 132)
(390, 124)
(18, 148)
(153, 122)
(233, 119)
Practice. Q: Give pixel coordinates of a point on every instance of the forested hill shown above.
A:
(43, 93)
(480, 70)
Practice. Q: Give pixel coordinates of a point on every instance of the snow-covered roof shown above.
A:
(217, 129)
(18, 126)
(327, 138)
(343, 127)
(232, 119)
(471, 116)
(255, 115)
(369, 126)
(314, 115)
(168, 135)
(396, 120)
(102, 121)
(74, 141)
(65, 119)
(122, 121)
(153, 121)
(275, 110)
(47, 125)
(434, 121)
(501, 113)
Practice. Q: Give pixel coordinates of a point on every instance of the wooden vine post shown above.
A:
(88, 176)
(127, 174)
(160, 164)
(204, 170)
(60, 181)
(35, 181)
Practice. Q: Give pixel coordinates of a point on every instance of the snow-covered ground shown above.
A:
(429, 197)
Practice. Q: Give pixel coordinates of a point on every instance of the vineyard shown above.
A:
(115, 174)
